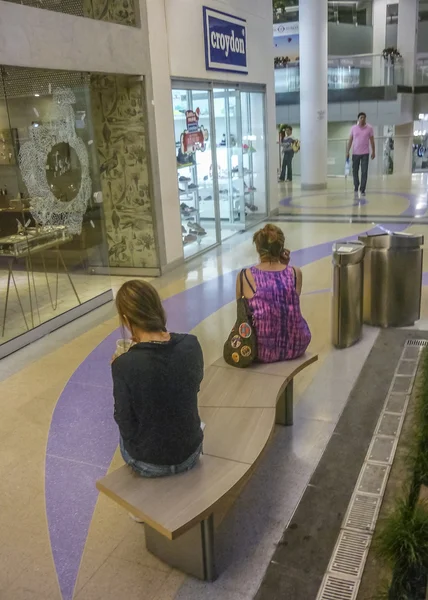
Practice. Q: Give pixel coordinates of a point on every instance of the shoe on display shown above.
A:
(199, 233)
(251, 188)
(251, 207)
(192, 186)
(208, 198)
(196, 228)
(235, 170)
(181, 191)
(206, 178)
(224, 192)
(189, 239)
(182, 178)
(187, 209)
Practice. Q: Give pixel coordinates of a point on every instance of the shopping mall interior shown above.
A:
(150, 141)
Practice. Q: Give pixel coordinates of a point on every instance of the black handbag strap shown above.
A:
(244, 273)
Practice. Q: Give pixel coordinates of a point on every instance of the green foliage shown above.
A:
(404, 538)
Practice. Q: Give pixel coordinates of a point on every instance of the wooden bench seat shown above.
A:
(240, 409)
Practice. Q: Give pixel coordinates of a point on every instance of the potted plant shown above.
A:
(391, 55)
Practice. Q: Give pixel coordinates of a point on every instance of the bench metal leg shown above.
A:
(192, 553)
(284, 407)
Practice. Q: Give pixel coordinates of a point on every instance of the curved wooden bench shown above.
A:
(239, 408)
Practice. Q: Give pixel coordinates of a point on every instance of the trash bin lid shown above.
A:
(348, 253)
(392, 240)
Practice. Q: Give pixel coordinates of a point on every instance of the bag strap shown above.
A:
(241, 279)
(249, 282)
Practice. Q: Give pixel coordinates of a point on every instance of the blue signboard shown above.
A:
(225, 42)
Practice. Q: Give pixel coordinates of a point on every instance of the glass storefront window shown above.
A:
(112, 11)
(74, 191)
(221, 156)
(193, 135)
(254, 149)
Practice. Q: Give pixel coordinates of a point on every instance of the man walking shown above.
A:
(362, 137)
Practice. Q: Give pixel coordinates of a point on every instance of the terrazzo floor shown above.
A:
(58, 538)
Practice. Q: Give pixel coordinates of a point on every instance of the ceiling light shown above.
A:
(37, 95)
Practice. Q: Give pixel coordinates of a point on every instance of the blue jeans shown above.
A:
(148, 470)
(363, 160)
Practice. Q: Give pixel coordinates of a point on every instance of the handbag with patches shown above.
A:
(240, 349)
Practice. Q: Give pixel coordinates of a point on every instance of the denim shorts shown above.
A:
(148, 470)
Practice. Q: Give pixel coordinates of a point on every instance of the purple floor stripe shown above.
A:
(83, 436)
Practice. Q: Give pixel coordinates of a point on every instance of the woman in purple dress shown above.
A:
(273, 291)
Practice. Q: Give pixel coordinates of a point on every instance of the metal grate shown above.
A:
(417, 343)
(383, 449)
(343, 576)
(373, 479)
(350, 553)
(362, 513)
(336, 588)
(390, 424)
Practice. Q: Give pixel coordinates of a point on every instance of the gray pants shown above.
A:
(358, 159)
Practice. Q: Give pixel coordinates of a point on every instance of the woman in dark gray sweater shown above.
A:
(156, 385)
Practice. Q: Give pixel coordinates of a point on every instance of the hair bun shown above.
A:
(271, 232)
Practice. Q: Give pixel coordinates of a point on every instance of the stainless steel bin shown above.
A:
(348, 276)
(392, 279)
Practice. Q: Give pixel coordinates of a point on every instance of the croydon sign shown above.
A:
(225, 42)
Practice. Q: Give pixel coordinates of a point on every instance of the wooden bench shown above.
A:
(240, 408)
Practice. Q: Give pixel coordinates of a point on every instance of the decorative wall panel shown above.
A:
(119, 119)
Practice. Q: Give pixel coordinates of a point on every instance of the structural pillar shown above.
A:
(313, 16)
(407, 38)
(403, 149)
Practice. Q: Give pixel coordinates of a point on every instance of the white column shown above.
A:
(379, 39)
(313, 16)
(403, 149)
(407, 37)
(164, 164)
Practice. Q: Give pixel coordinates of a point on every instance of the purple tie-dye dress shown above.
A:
(282, 332)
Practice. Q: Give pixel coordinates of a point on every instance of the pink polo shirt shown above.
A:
(361, 137)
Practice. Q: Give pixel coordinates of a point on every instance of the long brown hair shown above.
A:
(140, 304)
(269, 242)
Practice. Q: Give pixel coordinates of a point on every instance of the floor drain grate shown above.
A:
(362, 513)
(343, 576)
(350, 553)
(336, 588)
(417, 343)
(373, 479)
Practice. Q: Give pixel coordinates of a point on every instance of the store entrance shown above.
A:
(220, 147)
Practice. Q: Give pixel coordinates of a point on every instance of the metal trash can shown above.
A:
(392, 279)
(348, 277)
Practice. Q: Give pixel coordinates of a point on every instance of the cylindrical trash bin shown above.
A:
(392, 279)
(348, 276)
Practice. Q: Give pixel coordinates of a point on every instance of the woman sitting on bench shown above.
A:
(273, 289)
(156, 385)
